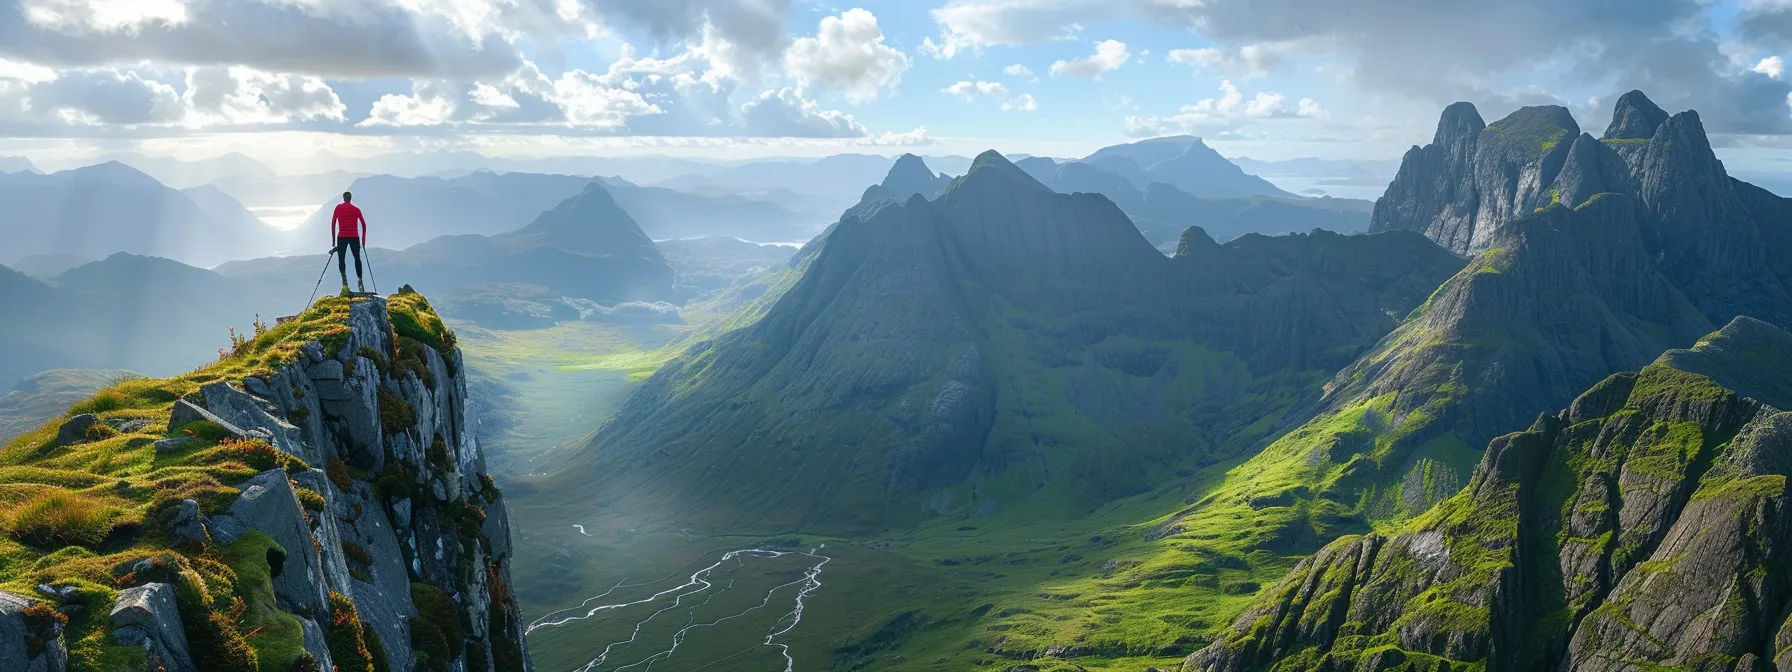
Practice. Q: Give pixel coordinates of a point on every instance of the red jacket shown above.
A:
(347, 221)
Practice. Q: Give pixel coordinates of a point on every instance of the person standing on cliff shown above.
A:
(347, 229)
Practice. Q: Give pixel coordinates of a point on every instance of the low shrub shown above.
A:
(337, 470)
(396, 414)
(57, 518)
(312, 500)
(347, 639)
(436, 633)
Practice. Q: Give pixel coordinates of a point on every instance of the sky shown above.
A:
(1269, 79)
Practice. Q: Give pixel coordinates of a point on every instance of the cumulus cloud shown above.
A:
(1017, 70)
(971, 25)
(427, 105)
(107, 97)
(970, 90)
(1771, 66)
(1023, 103)
(1227, 111)
(1109, 55)
(239, 96)
(784, 113)
(1248, 62)
(847, 53)
(754, 29)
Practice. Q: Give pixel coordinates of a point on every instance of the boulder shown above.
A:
(241, 410)
(258, 387)
(24, 645)
(187, 528)
(75, 429)
(174, 444)
(270, 505)
(146, 617)
(186, 412)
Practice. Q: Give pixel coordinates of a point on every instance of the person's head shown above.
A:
(347, 197)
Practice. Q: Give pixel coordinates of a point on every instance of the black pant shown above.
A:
(343, 246)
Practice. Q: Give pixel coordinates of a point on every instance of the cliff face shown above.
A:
(1642, 527)
(1713, 236)
(316, 500)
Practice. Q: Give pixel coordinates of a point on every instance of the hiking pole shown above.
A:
(368, 253)
(320, 282)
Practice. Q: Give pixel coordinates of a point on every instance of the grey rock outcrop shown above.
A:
(327, 405)
(188, 526)
(74, 430)
(26, 644)
(270, 505)
(146, 617)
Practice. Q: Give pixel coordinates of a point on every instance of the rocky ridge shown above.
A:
(315, 501)
(925, 334)
(1641, 527)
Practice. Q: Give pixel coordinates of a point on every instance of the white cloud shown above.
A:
(1024, 103)
(105, 97)
(590, 100)
(1109, 55)
(1017, 70)
(971, 25)
(426, 106)
(970, 90)
(1249, 62)
(30, 73)
(239, 95)
(785, 113)
(486, 95)
(847, 53)
(102, 16)
(1229, 110)
(1771, 66)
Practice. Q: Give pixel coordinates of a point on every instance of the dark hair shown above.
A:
(346, 197)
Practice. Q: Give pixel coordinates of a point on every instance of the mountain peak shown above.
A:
(990, 166)
(1635, 117)
(1459, 121)
(910, 175)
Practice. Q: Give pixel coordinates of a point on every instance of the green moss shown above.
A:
(276, 636)
(412, 317)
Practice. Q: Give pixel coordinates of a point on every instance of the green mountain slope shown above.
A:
(1639, 528)
(1001, 346)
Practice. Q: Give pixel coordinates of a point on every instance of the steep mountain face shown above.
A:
(1162, 212)
(1712, 235)
(1183, 162)
(1642, 527)
(962, 353)
(95, 211)
(317, 502)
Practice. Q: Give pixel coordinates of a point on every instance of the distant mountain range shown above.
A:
(406, 211)
(16, 164)
(95, 211)
(923, 335)
(181, 174)
(1183, 162)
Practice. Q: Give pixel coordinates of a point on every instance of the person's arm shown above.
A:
(363, 217)
(332, 230)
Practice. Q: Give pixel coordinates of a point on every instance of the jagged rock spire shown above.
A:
(1635, 117)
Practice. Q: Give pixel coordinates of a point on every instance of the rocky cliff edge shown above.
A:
(315, 500)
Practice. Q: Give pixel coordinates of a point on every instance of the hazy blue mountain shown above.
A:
(286, 190)
(98, 210)
(37, 398)
(46, 266)
(405, 211)
(1183, 162)
(182, 174)
(585, 247)
(1162, 211)
(16, 164)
